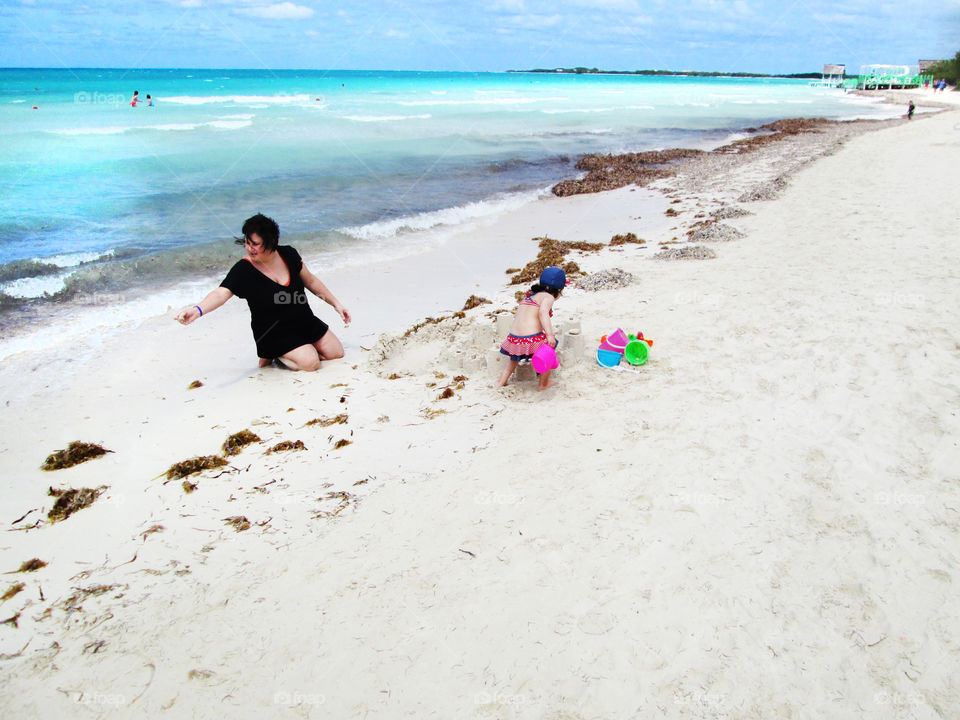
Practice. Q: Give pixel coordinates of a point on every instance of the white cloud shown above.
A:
(279, 11)
(391, 33)
(534, 22)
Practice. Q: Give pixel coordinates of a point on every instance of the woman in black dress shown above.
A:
(272, 279)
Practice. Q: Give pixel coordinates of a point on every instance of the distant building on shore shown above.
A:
(889, 77)
(831, 76)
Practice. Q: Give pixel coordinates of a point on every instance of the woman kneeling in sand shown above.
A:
(272, 279)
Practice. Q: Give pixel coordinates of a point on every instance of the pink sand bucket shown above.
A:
(618, 338)
(610, 347)
(544, 359)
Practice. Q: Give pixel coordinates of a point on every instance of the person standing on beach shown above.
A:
(910, 108)
(532, 326)
(272, 279)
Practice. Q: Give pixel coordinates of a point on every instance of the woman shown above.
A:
(272, 279)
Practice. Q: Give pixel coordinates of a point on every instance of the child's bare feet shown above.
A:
(264, 362)
(550, 384)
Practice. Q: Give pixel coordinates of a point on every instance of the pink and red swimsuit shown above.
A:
(522, 347)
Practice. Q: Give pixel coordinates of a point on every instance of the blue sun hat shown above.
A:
(553, 277)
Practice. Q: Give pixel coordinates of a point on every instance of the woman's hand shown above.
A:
(213, 300)
(343, 313)
(188, 315)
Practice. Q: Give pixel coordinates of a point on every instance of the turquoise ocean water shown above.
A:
(99, 195)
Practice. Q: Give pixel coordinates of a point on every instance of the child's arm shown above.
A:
(545, 306)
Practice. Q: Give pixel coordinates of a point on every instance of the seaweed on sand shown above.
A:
(474, 301)
(31, 565)
(73, 602)
(553, 252)
(71, 500)
(238, 522)
(76, 453)
(327, 422)
(194, 385)
(236, 442)
(188, 487)
(194, 465)
(151, 530)
(342, 442)
(447, 393)
(11, 591)
(607, 172)
(287, 445)
(626, 238)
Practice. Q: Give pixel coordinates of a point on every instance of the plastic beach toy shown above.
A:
(608, 358)
(544, 359)
(618, 339)
(636, 352)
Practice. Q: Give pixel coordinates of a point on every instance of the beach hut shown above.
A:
(832, 76)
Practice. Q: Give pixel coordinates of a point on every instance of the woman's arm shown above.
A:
(213, 300)
(313, 284)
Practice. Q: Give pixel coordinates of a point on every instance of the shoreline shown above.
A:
(99, 294)
(709, 518)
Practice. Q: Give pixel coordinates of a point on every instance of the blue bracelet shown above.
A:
(199, 310)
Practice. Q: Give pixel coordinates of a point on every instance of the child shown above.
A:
(531, 325)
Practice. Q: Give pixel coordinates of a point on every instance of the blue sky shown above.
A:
(734, 36)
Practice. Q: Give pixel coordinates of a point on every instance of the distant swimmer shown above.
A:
(149, 100)
(136, 98)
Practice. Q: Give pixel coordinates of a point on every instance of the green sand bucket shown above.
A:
(636, 352)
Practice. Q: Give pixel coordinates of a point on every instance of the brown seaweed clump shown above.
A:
(447, 393)
(32, 565)
(71, 500)
(11, 591)
(194, 465)
(236, 442)
(327, 422)
(776, 131)
(287, 445)
(189, 487)
(626, 238)
(76, 453)
(608, 172)
(239, 522)
(474, 301)
(341, 443)
(553, 252)
(194, 385)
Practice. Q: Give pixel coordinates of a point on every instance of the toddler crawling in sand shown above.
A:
(531, 325)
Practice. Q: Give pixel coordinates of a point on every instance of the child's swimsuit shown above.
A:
(522, 347)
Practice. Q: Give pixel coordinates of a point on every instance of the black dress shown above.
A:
(280, 317)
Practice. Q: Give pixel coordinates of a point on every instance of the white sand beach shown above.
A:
(762, 522)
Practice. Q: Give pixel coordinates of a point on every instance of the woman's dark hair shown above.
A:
(267, 229)
(537, 287)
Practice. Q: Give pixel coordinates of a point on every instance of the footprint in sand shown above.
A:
(596, 623)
